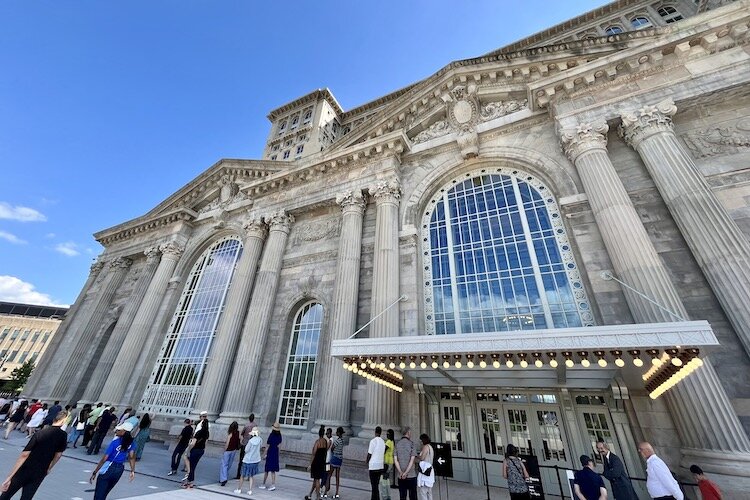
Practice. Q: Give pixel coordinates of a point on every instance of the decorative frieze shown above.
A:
(493, 110)
(647, 121)
(316, 230)
(732, 138)
(585, 137)
(437, 129)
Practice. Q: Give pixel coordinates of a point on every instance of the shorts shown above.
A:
(336, 462)
(249, 470)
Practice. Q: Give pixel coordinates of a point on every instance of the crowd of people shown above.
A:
(402, 464)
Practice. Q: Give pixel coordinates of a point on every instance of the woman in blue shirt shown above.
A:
(111, 466)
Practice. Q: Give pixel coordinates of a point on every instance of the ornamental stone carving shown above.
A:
(386, 191)
(468, 142)
(171, 250)
(585, 137)
(229, 194)
(493, 110)
(152, 254)
(255, 228)
(279, 221)
(316, 230)
(96, 267)
(351, 201)
(437, 129)
(121, 262)
(463, 111)
(730, 139)
(647, 121)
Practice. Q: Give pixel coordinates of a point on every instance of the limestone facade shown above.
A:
(638, 142)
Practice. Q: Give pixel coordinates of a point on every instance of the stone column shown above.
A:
(223, 350)
(382, 403)
(334, 409)
(719, 246)
(704, 417)
(104, 365)
(39, 385)
(247, 364)
(122, 371)
(71, 374)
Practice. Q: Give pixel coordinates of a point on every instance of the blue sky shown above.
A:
(106, 108)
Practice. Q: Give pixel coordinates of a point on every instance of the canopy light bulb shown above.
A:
(619, 362)
(677, 361)
(446, 365)
(391, 365)
(585, 363)
(483, 364)
(553, 363)
(496, 364)
(509, 364)
(638, 362)
(458, 364)
(569, 363)
(538, 363)
(412, 365)
(434, 365)
(469, 364)
(602, 362)
(402, 365)
(423, 365)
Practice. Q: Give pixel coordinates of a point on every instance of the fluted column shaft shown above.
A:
(117, 338)
(224, 348)
(702, 412)
(717, 243)
(39, 385)
(382, 403)
(71, 374)
(122, 371)
(247, 364)
(335, 403)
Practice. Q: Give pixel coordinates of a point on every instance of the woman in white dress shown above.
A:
(36, 419)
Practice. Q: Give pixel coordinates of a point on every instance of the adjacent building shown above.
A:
(547, 245)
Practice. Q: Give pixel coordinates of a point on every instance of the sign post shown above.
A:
(534, 481)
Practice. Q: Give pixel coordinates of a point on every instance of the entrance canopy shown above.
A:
(659, 354)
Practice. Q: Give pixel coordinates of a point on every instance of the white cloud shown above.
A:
(13, 289)
(50, 236)
(19, 213)
(4, 235)
(68, 248)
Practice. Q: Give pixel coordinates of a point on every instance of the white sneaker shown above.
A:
(239, 492)
(249, 492)
(262, 486)
(272, 488)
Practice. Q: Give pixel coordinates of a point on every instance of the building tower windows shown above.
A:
(498, 258)
(669, 14)
(176, 378)
(299, 376)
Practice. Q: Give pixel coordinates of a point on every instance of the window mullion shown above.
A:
(452, 266)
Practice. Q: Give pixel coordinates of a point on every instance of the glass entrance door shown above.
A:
(492, 435)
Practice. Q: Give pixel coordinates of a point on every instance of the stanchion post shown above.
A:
(559, 481)
(486, 478)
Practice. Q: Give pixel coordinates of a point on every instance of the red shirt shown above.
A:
(709, 490)
(33, 408)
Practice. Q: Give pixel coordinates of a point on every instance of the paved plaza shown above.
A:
(69, 479)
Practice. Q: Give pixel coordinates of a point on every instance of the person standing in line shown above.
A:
(405, 462)
(126, 414)
(112, 464)
(708, 489)
(326, 484)
(230, 451)
(515, 472)
(337, 458)
(68, 421)
(36, 419)
(272, 456)
(35, 406)
(317, 465)
(182, 443)
(660, 482)
(614, 471)
(142, 434)
(88, 431)
(79, 425)
(245, 437)
(588, 485)
(197, 449)
(104, 422)
(51, 414)
(426, 476)
(36, 461)
(16, 418)
(251, 461)
(390, 448)
(376, 462)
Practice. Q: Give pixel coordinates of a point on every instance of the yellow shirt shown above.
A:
(388, 459)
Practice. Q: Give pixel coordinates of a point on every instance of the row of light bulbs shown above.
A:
(672, 374)
(522, 359)
(383, 376)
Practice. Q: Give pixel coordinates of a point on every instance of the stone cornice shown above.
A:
(142, 225)
(391, 144)
(312, 97)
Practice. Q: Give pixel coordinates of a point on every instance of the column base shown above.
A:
(729, 469)
(333, 424)
(368, 430)
(228, 418)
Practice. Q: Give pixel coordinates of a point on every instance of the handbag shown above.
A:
(106, 465)
(80, 426)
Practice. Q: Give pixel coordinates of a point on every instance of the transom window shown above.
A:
(669, 14)
(497, 258)
(294, 407)
(613, 30)
(640, 22)
(176, 378)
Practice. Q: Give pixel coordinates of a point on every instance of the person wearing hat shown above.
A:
(111, 466)
(41, 453)
(251, 461)
(272, 456)
(588, 485)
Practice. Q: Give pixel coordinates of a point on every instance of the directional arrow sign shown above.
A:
(443, 463)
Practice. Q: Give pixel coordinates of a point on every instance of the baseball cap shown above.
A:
(125, 426)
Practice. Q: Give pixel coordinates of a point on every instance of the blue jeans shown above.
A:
(105, 482)
(194, 457)
(226, 463)
(74, 435)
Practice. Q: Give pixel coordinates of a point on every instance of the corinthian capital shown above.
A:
(647, 121)
(585, 137)
(255, 228)
(351, 201)
(152, 253)
(96, 267)
(279, 221)
(121, 262)
(171, 250)
(386, 191)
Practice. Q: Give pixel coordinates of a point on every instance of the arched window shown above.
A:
(612, 30)
(640, 22)
(177, 375)
(669, 14)
(294, 407)
(497, 258)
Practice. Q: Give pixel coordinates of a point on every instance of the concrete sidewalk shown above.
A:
(69, 479)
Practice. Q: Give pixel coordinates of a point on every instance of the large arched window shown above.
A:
(294, 407)
(497, 258)
(177, 375)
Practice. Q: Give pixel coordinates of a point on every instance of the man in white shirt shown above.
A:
(660, 482)
(376, 461)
